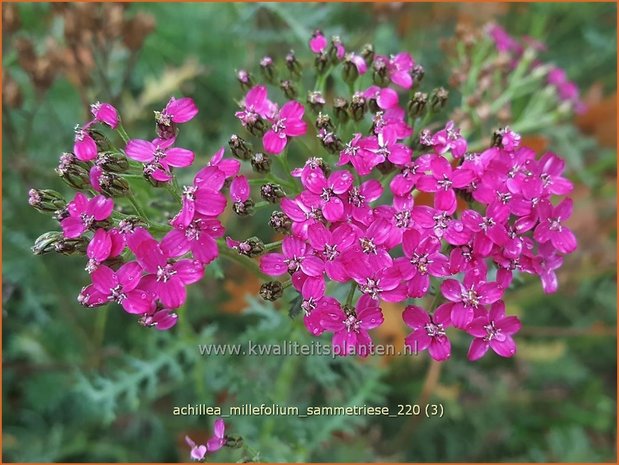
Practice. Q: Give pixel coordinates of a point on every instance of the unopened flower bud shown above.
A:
(240, 149)
(46, 200)
(323, 121)
(73, 172)
(113, 161)
(350, 73)
(260, 162)
(166, 129)
(251, 247)
(336, 50)
(340, 108)
(233, 442)
(417, 105)
(367, 52)
(321, 63)
(71, 246)
(272, 192)
(54, 241)
(380, 74)
(268, 68)
(103, 143)
(417, 73)
(316, 100)
(280, 222)
(256, 125)
(113, 185)
(245, 79)
(330, 140)
(271, 290)
(293, 65)
(245, 208)
(289, 89)
(46, 243)
(438, 98)
(129, 224)
(358, 106)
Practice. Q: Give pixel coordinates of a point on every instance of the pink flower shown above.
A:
(318, 42)
(503, 41)
(469, 296)
(178, 111)
(428, 331)
(398, 154)
(302, 214)
(227, 166)
(493, 330)
(199, 237)
(386, 98)
(404, 182)
(423, 259)
(489, 229)
(103, 245)
(399, 68)
(350, 326)
(359, 199)
(84, 147)
(158, 157)
(168, 277)
(296, 256)
(288, 122)
(449, 140)
(105, 113)
(442, 181)
(361, 153)
(216, 442)
(550, 169)
(160, 319)
(545, 265)
(239, 189)
(358, 61)
(331, 247)
(385, 284)
(369, 247)
(256, 105)
(121, 287)
(550, 227)
(327, 193)
(83, 212)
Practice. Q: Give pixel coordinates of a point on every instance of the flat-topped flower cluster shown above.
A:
(387, 200)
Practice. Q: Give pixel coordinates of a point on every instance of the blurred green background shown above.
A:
(90, 385)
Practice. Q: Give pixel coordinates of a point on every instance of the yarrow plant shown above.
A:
(375, 196)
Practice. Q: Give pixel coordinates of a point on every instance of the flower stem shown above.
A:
(272, 245)
(123, 133)
(351, 293)
(138, 208)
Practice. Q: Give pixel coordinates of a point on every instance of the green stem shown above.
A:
(123, 133)
(272, 245)
(138, 208)
(351, 293)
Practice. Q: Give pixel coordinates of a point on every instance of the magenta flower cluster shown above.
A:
(493, 213)
(127, 265)
(199, 452)
(389, 204)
